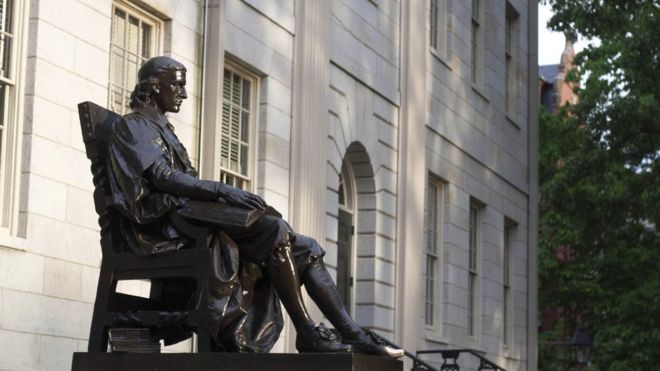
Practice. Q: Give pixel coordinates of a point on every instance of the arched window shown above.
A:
(346, 238)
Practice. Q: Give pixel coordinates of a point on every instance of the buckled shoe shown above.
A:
(320, 340)
(369, 342)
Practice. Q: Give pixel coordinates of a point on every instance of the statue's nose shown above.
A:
(183, 94)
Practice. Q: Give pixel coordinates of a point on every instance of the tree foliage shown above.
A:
(600, 185)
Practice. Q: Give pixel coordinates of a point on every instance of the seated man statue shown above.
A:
(151, 176)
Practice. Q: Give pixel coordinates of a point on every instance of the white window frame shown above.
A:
(438, 11)
(434, 226)
(510, 47)
(477, 24)
(154, 49)
(253, 145)
(12, 120)
(474, 269)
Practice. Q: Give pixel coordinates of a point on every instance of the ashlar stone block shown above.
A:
(276, 93)
(80, 208)
(51, 120)
(21, 271)
(26, 312)
(89, 282)
(185, 346)
(279, 11)
(374, 316)
(276, 178)
(55, 352)
(86, 52)
(260, 27)
(275, 122)
(385, 178)
(369, 292)
(375, 269)
(102, 6)
(184, 40)
(76, 244)
(62, 52)
(83, 345)
(386, 201)
(47, 197)
(140, 288)
(62, 279)
(69, 166)
(275, 149)
(19, 350)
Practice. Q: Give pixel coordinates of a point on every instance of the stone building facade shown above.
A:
(400, 134)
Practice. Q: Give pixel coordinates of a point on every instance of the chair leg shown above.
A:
(98, 334)
(203, 340)
(156, 291)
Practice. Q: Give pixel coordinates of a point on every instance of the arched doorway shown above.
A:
(346, 238)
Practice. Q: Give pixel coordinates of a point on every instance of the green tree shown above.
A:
(600, 185)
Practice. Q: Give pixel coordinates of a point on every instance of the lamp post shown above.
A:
(580, 346)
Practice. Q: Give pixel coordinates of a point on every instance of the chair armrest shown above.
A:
(197, 233)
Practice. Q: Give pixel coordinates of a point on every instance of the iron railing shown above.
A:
(450, 359)
(416, 360)
(449, 356)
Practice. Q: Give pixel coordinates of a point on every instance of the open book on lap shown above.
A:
(222, 214)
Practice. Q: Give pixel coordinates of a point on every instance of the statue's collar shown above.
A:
(154, 115)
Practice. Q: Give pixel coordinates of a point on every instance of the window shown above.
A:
(237, 135)
(438, 27)
(133, 40)
(433, 249)
(473, 267)
(509, 228)
(477, 43)
(11, 48)
(346, 259)
(509, 52)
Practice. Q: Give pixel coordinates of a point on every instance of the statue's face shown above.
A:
(172, 90)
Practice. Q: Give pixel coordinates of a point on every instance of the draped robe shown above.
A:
(239, 303)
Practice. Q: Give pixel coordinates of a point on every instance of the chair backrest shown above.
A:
(96, 123)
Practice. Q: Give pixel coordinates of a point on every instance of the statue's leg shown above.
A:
(320, 286)
(283, 274)
(284, 277)
(322, 289)
(268, 241)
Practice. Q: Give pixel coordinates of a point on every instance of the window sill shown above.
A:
(508, 353)
(11, 243)
(444, 60)
(474, 344)
(434, 336)
(512, 121)
(480, 92)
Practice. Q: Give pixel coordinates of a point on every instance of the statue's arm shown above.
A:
(239, 197)
(165, 179)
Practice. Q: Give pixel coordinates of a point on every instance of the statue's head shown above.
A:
(161, 84)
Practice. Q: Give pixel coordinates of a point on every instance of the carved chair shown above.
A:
(175, 277)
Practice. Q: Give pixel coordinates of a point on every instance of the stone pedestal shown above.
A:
(233, 362)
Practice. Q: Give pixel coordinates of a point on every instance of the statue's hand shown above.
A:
(239, 197)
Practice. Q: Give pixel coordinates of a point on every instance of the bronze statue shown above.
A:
(151, 176)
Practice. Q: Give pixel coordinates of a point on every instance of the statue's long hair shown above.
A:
(148, 80)
(141, 95)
